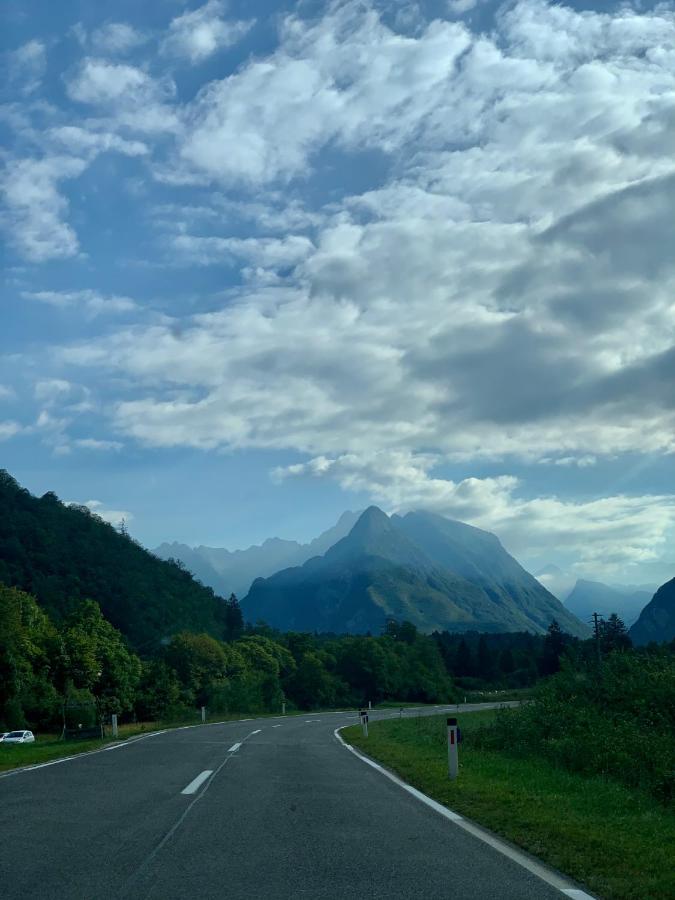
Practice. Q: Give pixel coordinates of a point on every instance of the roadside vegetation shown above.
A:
(581, 776)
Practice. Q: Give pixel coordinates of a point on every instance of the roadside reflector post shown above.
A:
(114, 725)
(453, 740)
(283, 707)
(363, 715)
(370, 705)
(203, 714)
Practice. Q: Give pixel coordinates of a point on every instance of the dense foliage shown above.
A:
(62, 555)
(613, 716)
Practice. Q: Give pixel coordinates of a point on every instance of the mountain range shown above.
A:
(626, 601)
(657, 619)
(424, 568)
(233, 571)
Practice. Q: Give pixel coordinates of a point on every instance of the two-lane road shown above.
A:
(261, 808)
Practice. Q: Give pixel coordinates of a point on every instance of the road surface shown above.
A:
(287, 812)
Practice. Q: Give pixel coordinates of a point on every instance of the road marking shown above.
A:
(234, 747)
(522, 859)
(276, 726)
(255, 732)
(197, 782)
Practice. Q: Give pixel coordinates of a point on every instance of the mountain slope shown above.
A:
(657, 619)
(588, 597)
(228, 571)
(445, 578)
(62, 554)
(479, 557)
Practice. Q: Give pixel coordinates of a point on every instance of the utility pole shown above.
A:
(597, 622)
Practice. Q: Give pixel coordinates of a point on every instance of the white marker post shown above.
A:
(283, 707)
(363, 714)
(203, 714)
(453, 739)
(370, 705)
(115, 732)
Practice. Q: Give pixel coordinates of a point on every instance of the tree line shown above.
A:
(80, 669)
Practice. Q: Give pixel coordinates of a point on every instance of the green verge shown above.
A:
(619, 842)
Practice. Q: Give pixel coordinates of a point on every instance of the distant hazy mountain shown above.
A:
(657, 619)
(626, 601)
(421, 567)
(228, 571)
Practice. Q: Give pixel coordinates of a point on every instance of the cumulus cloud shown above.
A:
(196, 35)
(503, 291)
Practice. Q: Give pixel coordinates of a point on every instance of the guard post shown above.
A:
(203, 714)
(363, 715)
(453, 741)
(115, 731)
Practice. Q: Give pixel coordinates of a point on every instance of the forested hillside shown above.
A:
(63, 554)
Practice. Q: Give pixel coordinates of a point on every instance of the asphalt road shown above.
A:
(289, 813)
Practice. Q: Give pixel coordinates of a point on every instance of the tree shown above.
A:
(614, 635)
(464, 666)
(234, 620)
(554, 645)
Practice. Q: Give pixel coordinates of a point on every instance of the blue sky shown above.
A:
(263, 263)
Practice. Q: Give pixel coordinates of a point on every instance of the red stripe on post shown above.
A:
(452, 737)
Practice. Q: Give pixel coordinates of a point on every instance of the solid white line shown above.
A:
(196, 783)
(539, 869)
(234, 747)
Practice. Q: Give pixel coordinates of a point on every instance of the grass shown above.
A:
(619, 842)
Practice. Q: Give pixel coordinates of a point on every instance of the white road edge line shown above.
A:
(539, 869)
(197, 782)
(234, 747)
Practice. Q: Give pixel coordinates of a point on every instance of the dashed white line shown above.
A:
(276, 726)
(234, 747)
(255, 732)
(197, 782)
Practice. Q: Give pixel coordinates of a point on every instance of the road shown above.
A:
(287, 813)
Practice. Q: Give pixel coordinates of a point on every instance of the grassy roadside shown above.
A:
(620, 843)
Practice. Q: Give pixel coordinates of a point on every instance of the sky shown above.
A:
(264, 262)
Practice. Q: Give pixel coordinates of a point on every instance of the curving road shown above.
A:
(285, 812)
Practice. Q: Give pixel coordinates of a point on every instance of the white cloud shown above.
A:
(113, 516)
(128, 94)
(27, 66)
(607, 536)
(263, 252)
(116, 38)
(97, 444)
(8, 429)
(346, 78)
(53, 390)
(84, 142)
(34, 209)
(459, 7)
(91, 302)
(6, 393)
(199, 34)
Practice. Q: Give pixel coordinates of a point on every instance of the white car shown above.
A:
(3, 735)
(18, 737)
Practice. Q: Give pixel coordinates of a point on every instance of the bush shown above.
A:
(616, 720)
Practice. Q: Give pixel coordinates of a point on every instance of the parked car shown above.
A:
(18, 737)
(3, 735)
